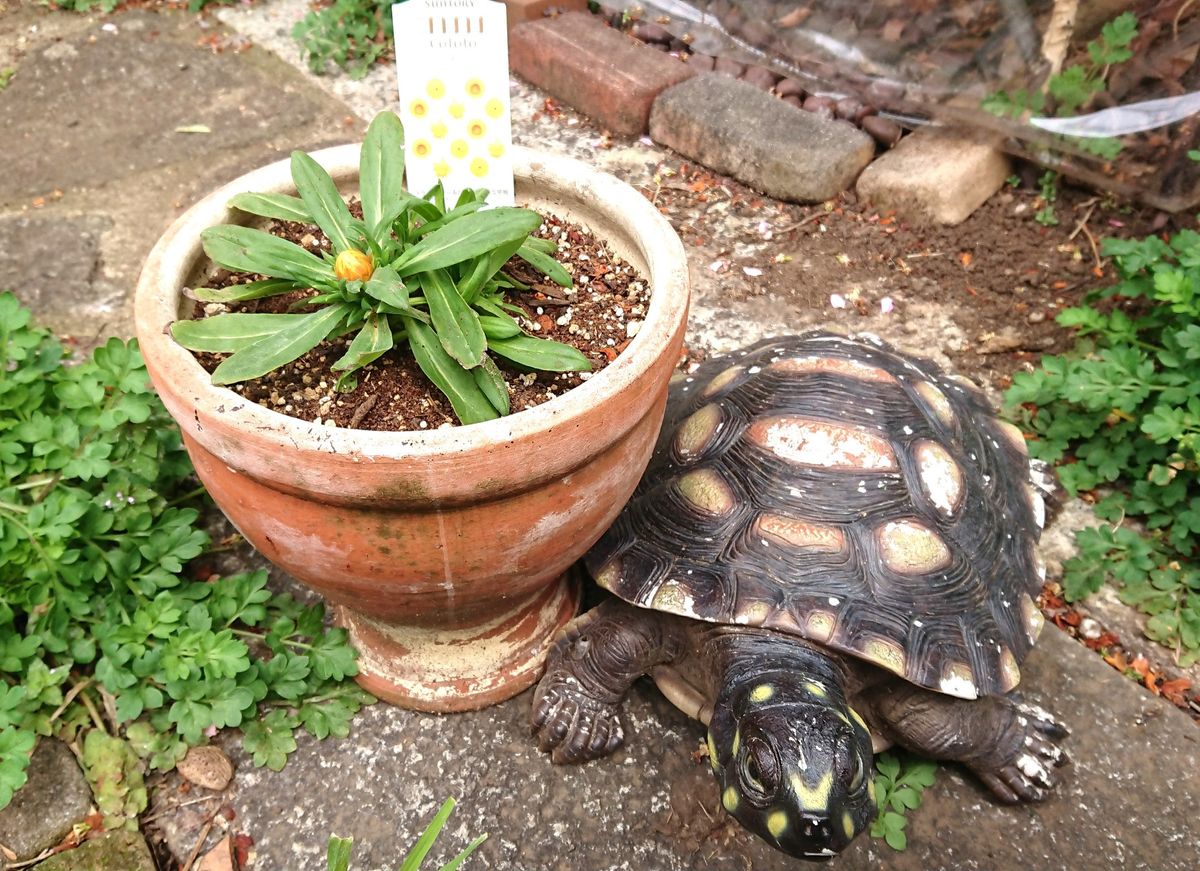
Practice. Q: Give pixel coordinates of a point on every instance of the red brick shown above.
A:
(603, 73)
(534, 10)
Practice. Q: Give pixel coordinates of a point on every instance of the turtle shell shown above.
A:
(835, 489)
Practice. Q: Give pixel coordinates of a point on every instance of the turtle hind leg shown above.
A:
(1013, 747)
(592, 664)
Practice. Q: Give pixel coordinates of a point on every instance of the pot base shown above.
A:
(447, 670)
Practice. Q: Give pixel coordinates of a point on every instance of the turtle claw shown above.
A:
(1028, 775)
(572, 726)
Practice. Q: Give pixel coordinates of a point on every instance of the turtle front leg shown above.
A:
(593, 663)
(1011, 746)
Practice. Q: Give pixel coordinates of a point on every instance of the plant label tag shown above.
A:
(452, 69)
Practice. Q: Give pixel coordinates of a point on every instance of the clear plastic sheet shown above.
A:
(1104, 91)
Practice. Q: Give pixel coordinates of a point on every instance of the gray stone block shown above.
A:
(54, 798)
(736, 129)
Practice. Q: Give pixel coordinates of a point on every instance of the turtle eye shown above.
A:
(856, 778)
(760, 769)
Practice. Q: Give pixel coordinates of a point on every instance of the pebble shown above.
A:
(702, 62)
(1089, 628)
(790, 88)
(728, 67)
(650, 32)
(1036, 317)
(760, 77)
(884, 131)
(207, 767)
(823, 106)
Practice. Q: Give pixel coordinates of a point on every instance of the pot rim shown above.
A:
(174, 256)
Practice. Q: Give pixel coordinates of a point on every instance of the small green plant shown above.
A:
(104, 641)
(337, 855)
(353, 34)
(1122, 412)
(900, 778)
(1049, 194)
(7, 74)
(1075, 86)
(451, 258)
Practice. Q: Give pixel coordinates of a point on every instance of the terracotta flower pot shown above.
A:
(444, 551)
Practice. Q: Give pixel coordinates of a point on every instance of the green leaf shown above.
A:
(16, 746)
(324, 202)
(381, 172)
(281, 348)
(541, 354)
(244, 292)
(372, 341)
(337, 854)
(412, 862)
(499, 328)
(467, 238)
(387, 287)
(545, 264)
(226, 333)
(278, 206)
(270, 739)
(491, 382)
(244, 249)
(456, 324)
(469, 402)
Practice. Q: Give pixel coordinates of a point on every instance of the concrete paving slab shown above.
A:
(1127, 801)
(93, 148)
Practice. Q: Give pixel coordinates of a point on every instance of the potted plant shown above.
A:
(444, 551)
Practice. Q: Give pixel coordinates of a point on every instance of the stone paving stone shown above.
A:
(53, 799)
(1127, 801)
(92, 145)
(935, 175)
(116, 851)
(603, 73)
(735, 128)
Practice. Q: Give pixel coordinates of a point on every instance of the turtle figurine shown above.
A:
(833, 550)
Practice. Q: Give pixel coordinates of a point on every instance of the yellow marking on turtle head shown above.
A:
(762, 692)
(816, 689)
(737, 742)
(859, 720)
(816, 799)
(848, 825)
(730, 799)
(712, 753)
(777, 823)
(871, 791)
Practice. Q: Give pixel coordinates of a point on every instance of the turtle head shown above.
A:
(793, 760)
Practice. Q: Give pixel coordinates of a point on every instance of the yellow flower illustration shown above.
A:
(494, 107)
(421, 148)
(438, 129)
(458, 148)
(476, 129)
(441, 169)
(496, 149)
(456, 110)
(474, 88)
(479, 167)
(435, 89)
(418, 108)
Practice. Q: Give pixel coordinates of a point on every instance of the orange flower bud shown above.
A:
(353, 265)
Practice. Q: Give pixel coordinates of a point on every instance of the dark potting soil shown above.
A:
(599, 315)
